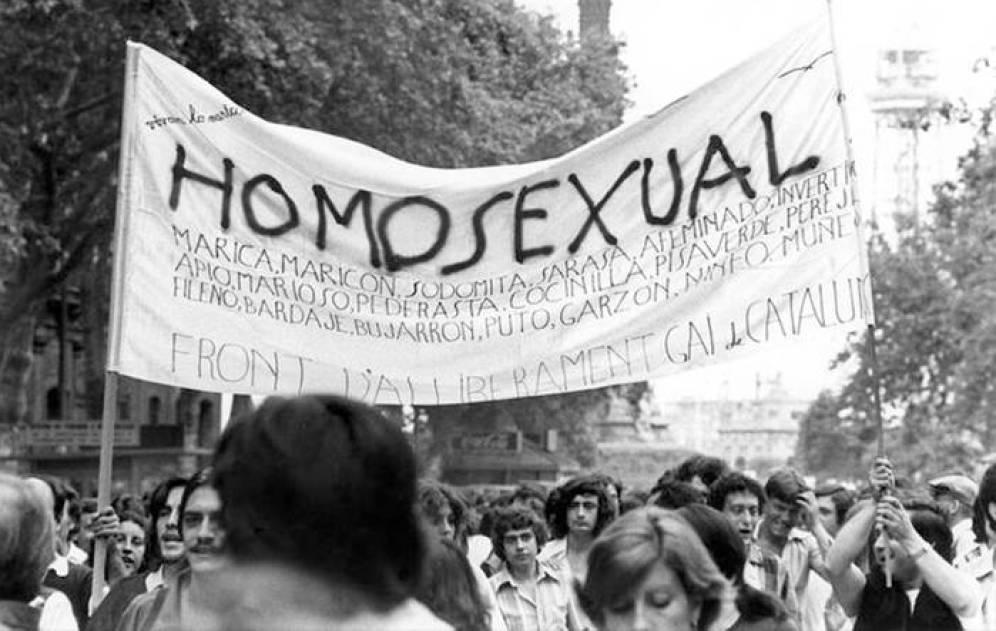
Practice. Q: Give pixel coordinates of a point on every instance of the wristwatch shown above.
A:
(919, 552)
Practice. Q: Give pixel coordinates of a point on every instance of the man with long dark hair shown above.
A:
(164, 553)
(182, 603)
(577, 512)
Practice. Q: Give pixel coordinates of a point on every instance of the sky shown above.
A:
(672, 47)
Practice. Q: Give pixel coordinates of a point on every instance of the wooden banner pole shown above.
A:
(110, 413)
(108, 421)
(873, 371)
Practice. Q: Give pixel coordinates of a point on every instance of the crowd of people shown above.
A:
(311, 517)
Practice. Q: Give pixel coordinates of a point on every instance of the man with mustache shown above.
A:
(791, 528)
(165, 556)
(181, 602)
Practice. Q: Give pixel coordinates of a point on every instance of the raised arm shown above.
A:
(959, 590)
(810, 516)
(847, 580)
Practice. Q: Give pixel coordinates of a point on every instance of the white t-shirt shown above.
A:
(57, 614)
(411, 615)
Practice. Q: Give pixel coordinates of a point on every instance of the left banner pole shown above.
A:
(110, 413)
(108, 421)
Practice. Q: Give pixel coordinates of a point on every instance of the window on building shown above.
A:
(53, 404)
(205, 424)
(124, 406)
(155, 409)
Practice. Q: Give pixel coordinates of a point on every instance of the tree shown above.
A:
(572, 415)
(59, 126)
(935, 296)
(439, 82)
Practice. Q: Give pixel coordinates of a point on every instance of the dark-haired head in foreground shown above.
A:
(326, 486)
(448, 588)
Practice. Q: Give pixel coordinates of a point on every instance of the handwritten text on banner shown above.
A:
(261, 258)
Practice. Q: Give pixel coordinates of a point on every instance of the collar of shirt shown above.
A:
(60, 566)
(504, 577)
(978, 562)
(755, 554)
(964, 526)
(798, 534)
(76, 554)
(154, 579)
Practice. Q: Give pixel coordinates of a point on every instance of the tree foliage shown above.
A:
(439, 82)
(573, 415)
(935, 301)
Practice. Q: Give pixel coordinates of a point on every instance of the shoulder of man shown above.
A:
(764, 556)
(410, 615)
(560, 572)
(110, 610)
(500, 578)
(141, 613)
(80, 573)
(553, 550)
(978, 561)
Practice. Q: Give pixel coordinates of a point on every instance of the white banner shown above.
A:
(261, 258)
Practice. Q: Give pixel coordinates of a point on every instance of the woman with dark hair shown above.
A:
(753, 610)
(649, 570)
(450, 590)
(444, 510)
(447, 514)
(926, 592)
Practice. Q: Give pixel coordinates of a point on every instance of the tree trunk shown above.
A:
(16, 360)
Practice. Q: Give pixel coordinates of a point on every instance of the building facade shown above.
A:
(753, 434)
(160, 430)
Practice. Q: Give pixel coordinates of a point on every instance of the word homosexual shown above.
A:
(383, 250)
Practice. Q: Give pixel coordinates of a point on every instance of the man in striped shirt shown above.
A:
(532, 596)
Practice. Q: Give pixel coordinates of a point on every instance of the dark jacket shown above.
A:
(109, 613)
(888, 609)
(76, 585)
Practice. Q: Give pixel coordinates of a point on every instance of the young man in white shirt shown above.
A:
(532, 596)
